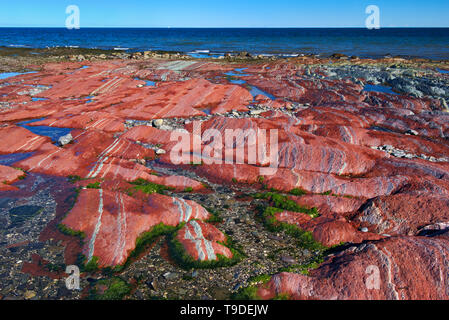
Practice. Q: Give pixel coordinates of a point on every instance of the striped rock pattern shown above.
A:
(20, 140)
(95, 155)
(112, 221)
(403, 268)
(327, 129)
(201, 241)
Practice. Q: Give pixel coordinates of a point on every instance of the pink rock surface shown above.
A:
(327, 130)
(7, 176)
(19, 140)
(201, 241)
(403, 268)
(112, 221)
(94, 154)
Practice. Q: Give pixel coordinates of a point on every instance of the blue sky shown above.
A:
(227, 13)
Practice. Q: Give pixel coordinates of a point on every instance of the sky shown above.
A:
(228, 13)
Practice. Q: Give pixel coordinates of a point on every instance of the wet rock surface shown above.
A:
(362, 167)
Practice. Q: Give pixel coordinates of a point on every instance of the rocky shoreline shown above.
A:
(363, 177)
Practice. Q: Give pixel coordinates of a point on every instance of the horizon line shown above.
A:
(170, 27)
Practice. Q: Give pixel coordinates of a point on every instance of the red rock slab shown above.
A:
(8, 175)
(19, 140)
(329, 229)
(408, 268)
(112, 221)
(328, 203)
(228, 173)
(21, 113)
(425, 175)
(274, 104)
(283, 179)
(148, 135)
(296, 149)
(103, 121)
(179, 183)
(335, 116)
(201, 241)
(55, 108)
(316, 182)
(373, 138)
(278, 88)
(10, 93)
(93, 154)
(362, 115)
(403, 214)
(116, 168)
(183, 99)
(287, 179)
(401, 120)
(309, 91)
(86, 82)
(101, 144)
(398, 101)
(129, 171)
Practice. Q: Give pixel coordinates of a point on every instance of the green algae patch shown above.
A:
(110, 289)
(70, 232)
(185, 261)
(298, 192)
(250, 292)
(147, 187)
(283, 202)
(215, 216)
(143, 242)
(94, 185)
(307, 267)
(305, 238)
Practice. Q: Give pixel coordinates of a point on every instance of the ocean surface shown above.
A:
(415, 42)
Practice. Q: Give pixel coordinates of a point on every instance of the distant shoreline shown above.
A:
(430, 43)
(126, 53)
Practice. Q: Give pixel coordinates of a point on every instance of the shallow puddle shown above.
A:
(53, 133)
(148, 83)
(237, 81)
(6, 75)
(377, 88)
(9, 159)
(256, 91)
(443, 71)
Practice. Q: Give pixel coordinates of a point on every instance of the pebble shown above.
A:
(288, 259)
(256, 112)
(65, 139)
(158, 123)
(29, 294)
(170, 275)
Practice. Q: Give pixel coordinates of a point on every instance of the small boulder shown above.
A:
(65, 139)
(158, 123)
